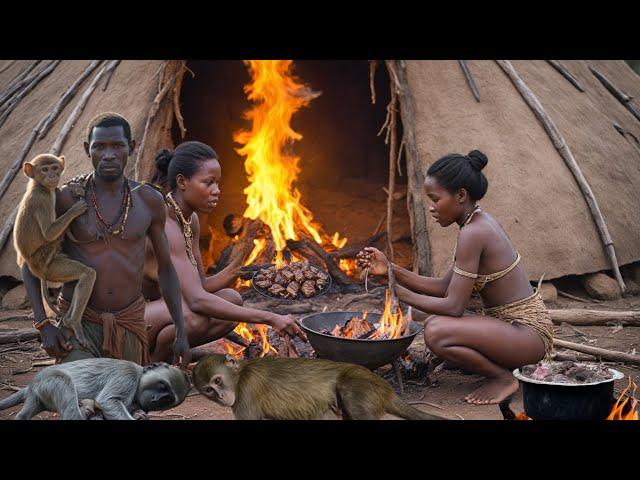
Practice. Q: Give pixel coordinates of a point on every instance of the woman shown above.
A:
(191, 176)
(515, 329)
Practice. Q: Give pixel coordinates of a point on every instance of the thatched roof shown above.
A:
(131, 91)
(531, 190)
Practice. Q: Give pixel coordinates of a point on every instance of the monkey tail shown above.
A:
(14, 399)
(402, 409)
(48, 299)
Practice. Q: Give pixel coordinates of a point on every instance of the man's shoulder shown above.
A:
(151, 194)
(76, 187)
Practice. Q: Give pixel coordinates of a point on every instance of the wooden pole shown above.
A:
(565, 153)
(622, 97)
(15, 100)
(77, 111)
(566, 74)
(153, 110)
(598, 352)
(392, 161)
(66, 98)
(576, 316)
(415, 176)
(470, 80)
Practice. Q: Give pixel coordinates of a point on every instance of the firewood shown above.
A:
(233, 224)
(21, 335)
(305, 245)
(352, 250)
(598, 352)
(576, 316)
(565, 152)
(287, 349)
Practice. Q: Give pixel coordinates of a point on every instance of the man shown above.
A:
(110, 237)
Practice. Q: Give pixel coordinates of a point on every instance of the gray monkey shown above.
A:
(116, 387)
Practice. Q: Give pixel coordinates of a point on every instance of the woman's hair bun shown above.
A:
(163, 159)
(477, 159)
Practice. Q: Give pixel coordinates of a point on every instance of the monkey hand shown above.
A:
(288, 325)
(373, 259)
(181, 350)
(140, 415)
(54, 342)
(79, 208)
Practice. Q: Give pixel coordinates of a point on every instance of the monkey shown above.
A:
(116, 387)
(38, 235)
(299, 389)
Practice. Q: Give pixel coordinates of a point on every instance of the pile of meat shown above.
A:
(567, 372)
(358, 328)
(292, 281)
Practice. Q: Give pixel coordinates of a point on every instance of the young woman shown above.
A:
(190, 177)
(515, 329)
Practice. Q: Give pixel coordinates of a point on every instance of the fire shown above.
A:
(245, 332)
(619, 406)
(392, 324)
(271, 167)
(233, 350)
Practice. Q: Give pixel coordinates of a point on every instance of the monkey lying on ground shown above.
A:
(37, 236)
(116, 387)
(299, 389)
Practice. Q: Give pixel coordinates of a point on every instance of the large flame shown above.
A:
(271, 166)
(271, 195)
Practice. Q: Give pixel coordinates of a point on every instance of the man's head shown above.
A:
(109, 145)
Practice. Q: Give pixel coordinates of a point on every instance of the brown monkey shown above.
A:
(299, 389)
(37, 236)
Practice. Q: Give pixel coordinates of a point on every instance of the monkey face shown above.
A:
(45, 169)
(220, 390)
(161, 387)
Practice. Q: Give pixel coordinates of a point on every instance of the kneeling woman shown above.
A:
(190, 176)
(515, 329)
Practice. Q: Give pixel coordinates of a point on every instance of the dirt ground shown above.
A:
(445, 396)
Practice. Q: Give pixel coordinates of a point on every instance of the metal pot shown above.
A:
(562, 401)
(368, 353)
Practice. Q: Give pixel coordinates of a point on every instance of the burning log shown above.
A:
(310, 249)
(233, 224)
(287, 348)
(352, 250)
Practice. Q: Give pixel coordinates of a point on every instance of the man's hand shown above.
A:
(288, 324)
(54, 342)
(181, 350)
(233, 270)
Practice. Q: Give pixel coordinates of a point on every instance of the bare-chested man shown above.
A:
(110, 237)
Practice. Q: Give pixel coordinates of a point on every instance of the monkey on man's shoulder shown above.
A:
(37, 236)
(299, 389)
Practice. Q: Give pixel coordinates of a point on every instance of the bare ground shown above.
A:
(445, 396)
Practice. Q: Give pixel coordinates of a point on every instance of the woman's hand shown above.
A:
(287, 324)
(373, 259)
